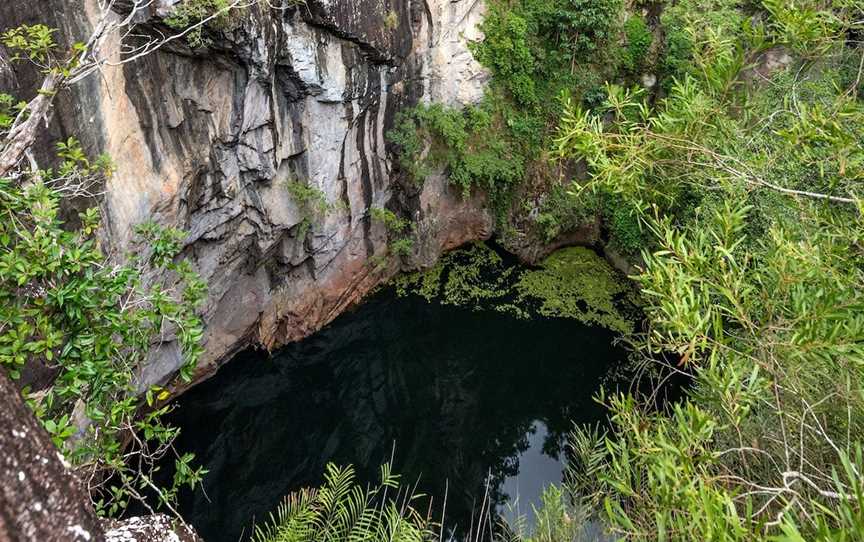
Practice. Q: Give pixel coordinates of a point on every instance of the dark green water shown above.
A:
(459, 394)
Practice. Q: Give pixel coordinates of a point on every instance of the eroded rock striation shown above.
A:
(205, 139)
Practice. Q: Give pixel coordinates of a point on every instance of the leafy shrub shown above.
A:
(625, 231)
(808, 27)
(312, 203)
(9, 109)
(392, 222)
(506, 50)
(65, 305)
(638, 40)
(31, 42)
(311, 200)
(531, 46)
(577, 28)
(753, 290)
(398, 228)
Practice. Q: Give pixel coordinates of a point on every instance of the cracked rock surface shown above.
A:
(205, 140)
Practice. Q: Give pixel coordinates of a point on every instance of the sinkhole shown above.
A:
(468, 402)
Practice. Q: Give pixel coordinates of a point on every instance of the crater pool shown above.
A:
(462, 401)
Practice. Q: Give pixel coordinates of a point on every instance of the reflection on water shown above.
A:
(459, 394)
(537, 469)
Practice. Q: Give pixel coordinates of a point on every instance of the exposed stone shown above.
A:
(205, 140)
(39, 498)
(767, 64)
(155, 528)
(42, 501)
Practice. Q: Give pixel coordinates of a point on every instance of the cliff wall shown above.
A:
(205, 139)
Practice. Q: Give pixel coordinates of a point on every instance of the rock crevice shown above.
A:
(206, 140)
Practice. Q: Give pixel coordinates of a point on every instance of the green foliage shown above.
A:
(464, 143)
(638, 40)
(391, 21)
(65, 306)
(506, 50)
(399, 229)
(35, 44)
(309, 198)
(625, 229)
(808, 26)
(192, 16)
(693, 27)
(392, 222)
(677, 50)
(76, 165)
(9, 110)
(528, 41)
(557, 519)
(341, 510)
(402, 247)
(31, 42)
(752, 287)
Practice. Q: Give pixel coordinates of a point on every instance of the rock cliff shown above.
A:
(206, 139)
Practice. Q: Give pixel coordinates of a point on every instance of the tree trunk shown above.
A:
(23, 133)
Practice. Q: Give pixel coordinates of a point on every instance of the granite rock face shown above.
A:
(206, 140)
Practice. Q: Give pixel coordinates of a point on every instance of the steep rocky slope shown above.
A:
(206, 140)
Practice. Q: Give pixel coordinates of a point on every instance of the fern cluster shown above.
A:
(342, 510)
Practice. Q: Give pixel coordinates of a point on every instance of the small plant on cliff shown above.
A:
(191, 16)
(391, 21)
(34, 43)
(9, 109)
(311, 201)
(399, 229)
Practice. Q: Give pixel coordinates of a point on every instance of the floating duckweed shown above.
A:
(577, 283)
(467, 277)
(572, 283)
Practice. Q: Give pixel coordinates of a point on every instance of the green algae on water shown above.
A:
(577, 283)
(471, 277)
(572, 283)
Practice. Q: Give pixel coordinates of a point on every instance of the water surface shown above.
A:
(461, 396)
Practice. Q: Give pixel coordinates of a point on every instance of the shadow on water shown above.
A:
(459, 393)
